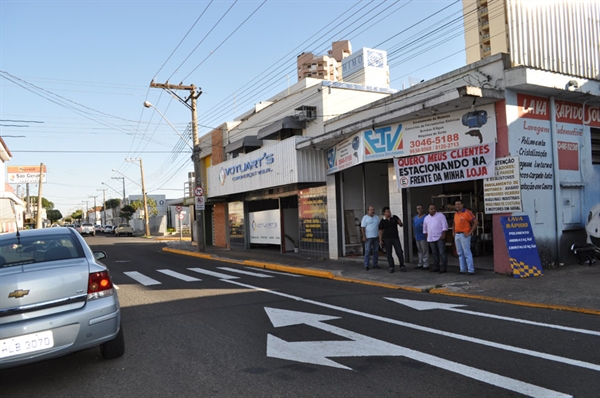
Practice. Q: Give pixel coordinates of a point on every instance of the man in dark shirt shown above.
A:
(388, 237)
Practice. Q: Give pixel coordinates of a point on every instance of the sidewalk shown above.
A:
(571, 288)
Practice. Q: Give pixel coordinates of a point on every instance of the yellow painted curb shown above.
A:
(287, 268)
(329, 275)
(445, 292)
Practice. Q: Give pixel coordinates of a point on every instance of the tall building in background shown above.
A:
(486, 28)
(561, 36)
(325, 67)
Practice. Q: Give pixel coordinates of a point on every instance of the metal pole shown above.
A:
(145, 200)
(39, 203)
(197, 168)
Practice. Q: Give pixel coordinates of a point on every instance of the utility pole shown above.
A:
(194, 95)
(103, 205)
(121, 178)
(86, 210)
(39, 203)
(90, 196)
(146, 222)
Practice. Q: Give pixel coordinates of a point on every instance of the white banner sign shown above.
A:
(502, 193)
(265, 227)
(472, 163)
(346, 154)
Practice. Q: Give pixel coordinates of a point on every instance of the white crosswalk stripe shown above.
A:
(239, 271)
(212, 273)
(177, 275)
(275, 272)
(141, 278)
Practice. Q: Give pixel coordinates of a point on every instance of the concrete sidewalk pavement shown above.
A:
(569, 288)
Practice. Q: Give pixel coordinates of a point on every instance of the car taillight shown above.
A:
(99, 285)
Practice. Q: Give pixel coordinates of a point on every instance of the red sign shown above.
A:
(531, 107)
(571, 112)
(568, 155)
(199, 191)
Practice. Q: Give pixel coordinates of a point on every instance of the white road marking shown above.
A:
(428, 305)
(239, 271)
(177, 275)
(212, 273)
(444, 333)
(115, 286)
(143, 279)
(275, 272)
(358, 345)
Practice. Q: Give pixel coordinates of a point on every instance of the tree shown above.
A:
(78, 215)
(127, 212)
(113, 203)
(54, 215)
(152, 209)
(46, 204)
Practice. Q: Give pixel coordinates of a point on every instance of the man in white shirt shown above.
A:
(370, 237)
(435, 227)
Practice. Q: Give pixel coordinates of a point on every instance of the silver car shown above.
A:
(55, 298)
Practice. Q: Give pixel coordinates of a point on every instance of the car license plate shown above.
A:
(27, 343)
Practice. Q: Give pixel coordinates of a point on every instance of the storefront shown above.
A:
(274, 197)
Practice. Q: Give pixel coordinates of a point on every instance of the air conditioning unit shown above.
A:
(305, 113)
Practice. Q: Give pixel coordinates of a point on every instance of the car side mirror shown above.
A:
(99, 255)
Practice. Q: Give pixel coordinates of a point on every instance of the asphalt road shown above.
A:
(228, 330)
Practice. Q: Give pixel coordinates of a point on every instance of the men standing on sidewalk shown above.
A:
(388, 236)
(465, 223)
(435, 227)
(370, 236)
(420, 238)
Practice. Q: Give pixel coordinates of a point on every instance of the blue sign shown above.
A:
(522, 250)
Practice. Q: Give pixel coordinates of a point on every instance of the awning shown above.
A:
(249, 141)
(288, 122)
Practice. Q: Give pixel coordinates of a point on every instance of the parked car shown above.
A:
(124, 229)
(87, 228)
(57, 298)
(108, 229)
(98, 228)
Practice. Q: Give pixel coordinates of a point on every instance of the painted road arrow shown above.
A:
(428, 305)
(318, 352)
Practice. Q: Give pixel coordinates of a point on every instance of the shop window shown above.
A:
(595, 135)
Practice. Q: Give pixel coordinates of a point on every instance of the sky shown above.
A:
(74, 76)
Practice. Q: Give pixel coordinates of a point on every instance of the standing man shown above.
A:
(388, 236)
(435, 227)
(370, 236)
(421, 239)
(465, 224)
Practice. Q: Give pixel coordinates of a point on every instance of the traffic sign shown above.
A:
(180, 216)
(178, 209)
(200, 203)
(199, 191)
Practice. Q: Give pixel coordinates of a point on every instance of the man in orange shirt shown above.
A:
(465, 223)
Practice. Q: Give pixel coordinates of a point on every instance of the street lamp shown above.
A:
(147, 104)
(146, 221)
(195, 160)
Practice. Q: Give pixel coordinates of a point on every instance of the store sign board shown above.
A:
(502, 192)
(346, 154)
(25, 174)
(471, 163)
(522, 249)
(431, 134)
(265, 227)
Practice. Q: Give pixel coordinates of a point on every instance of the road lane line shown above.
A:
(428, 305)
(143, 279)
(239, 271)
(469, 339)
(177, 275)
(212, 273)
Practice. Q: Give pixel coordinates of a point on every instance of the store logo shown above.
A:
(222, 176)
(382, 140)
(375, 59)
(331, 157)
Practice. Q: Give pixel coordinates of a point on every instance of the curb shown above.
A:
(330, 275)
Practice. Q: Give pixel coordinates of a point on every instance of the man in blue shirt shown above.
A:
(370, 236)
(420, 238)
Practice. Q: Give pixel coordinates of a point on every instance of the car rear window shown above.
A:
(123, 225)
(36, 249)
